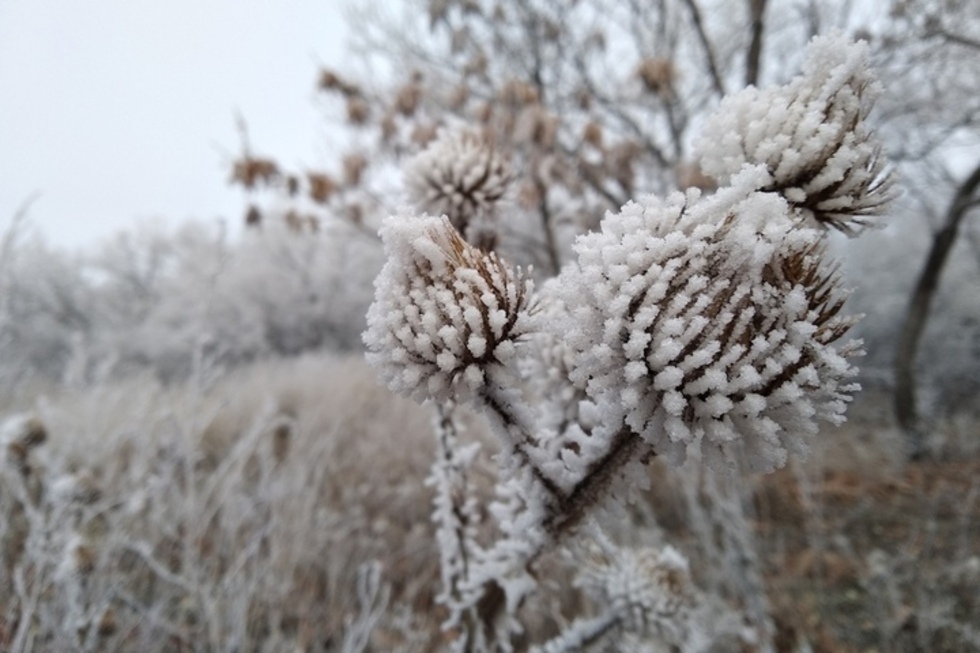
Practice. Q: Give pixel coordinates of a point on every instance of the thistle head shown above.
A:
(445, 313)
(648, 591)
(811, 136)
(707, 322)
(462, 176)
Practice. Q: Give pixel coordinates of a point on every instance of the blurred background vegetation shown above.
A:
(247, 471)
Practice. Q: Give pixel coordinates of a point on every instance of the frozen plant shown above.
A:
(460, 175)
(646, 593)
(447, 317)
(706, 324)
(710, 322)
(810, 135)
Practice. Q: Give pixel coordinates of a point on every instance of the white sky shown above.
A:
(124, 110)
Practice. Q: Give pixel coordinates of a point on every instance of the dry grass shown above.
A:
(238, 514)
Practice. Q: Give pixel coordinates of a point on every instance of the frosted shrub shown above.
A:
(696, 324)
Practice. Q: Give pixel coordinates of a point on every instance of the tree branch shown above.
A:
(960, 39)
(753, 58)
(706, 44)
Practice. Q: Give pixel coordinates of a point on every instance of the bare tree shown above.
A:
(964, 201)
(593, 102)
(929, 53)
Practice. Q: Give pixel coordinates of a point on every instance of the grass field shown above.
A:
(283, 507)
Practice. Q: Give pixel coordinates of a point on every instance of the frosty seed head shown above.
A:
(444, 312)
(19, 435)
(25, 430)
(811, 135)
(462, 176)
(703, 331)
(649, 590)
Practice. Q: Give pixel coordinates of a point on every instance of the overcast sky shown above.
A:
(118, 110)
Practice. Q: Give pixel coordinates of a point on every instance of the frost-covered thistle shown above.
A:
(649, 591)
(707, 321)
(810, 135)
(462, 176)
(709, 324)
(645, 597)
(445, 313)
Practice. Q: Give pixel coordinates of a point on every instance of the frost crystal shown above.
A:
(444, 312)
(810, 135)
(461, 176)
(703, 330)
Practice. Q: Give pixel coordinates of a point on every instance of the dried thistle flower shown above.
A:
(354, 167)
(322, 186)
(690, 175)
(706, 322)
(408, 98)
(811, 135)
(592, 134)
(444, 312)
(518, 93)
(250, 171)
(537, 125)
(331, 81)
(657, 75)
(357, 110)
(620, 161)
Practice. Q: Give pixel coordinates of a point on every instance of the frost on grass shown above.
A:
(810, 135)
(708, 321)
(444, 313)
